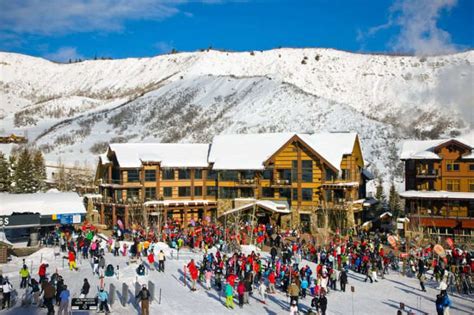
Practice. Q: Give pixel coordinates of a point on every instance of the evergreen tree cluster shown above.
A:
(22, 173)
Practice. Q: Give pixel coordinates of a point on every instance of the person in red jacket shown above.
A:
(72, 260)
(271, 281)
(240, 292)
(151, 260)
(42, 272)
(231, 279)
(193, 271)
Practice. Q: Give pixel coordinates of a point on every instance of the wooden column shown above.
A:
(114, 215)
(192, 184)
(126, 215)
(185, 217)
(157, 183)
(102, 214)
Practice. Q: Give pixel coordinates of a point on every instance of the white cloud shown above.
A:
(418, 27)
(53, 17)
(64, 54)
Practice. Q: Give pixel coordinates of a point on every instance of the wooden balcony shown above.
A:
(426, 173)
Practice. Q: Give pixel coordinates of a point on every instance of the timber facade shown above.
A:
(292, 183)
(439, 183)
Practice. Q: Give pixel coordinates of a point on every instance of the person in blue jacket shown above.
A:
(446, 302)
(439, 304)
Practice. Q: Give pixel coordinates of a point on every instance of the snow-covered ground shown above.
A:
(383, 297)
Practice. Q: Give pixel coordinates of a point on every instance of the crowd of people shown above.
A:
(297, 266)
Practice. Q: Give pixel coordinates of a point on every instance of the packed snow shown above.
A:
(383, 297)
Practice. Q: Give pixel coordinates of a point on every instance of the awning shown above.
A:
(438, 222)
(467, 224)
(268, 205)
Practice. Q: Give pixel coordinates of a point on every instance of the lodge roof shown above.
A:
(426, 149)
(231, 151)
(43, 203)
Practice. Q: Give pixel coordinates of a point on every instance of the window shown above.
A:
(307, 171)
(229, 176)
(452, 166)
(268, 174)
(168, 174)
(211, 191)
(184, 191)
(118, 195)
(471, 167)
(268, 192)
(471, 185)
(307, 194)
(294, 171)
(285, 175)
(285, 193)
(452, 185)
(227, 192)
(184, 174)
(246, 193)
(330, 175)
(247, 175)
(346, 174)
(167, 191)
(198, 174)
(133, 176)
(150, 193)
(133, 194)
(150, 176)
(328, 195)
(211, 175)
(198, 191)
(294, 195)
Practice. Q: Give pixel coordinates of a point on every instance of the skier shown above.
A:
(144, 297)
(343, 280)
(96, 265)
(42, 272)
(161, 261)
(240, 292)
(85, 288)
(24, 274)
(7, 289)
(229, 296)
(193, 271)
(323, 304)
(422, 278)
(103, 297)
(48, 295)
(64, 301)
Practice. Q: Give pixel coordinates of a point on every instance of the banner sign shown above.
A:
(19, 220)
(84, 304)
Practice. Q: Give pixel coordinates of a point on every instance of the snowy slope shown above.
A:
(73, 110)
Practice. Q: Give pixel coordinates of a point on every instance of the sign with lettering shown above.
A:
(84, 304)
(19, 220)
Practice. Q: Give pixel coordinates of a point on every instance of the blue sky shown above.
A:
(61, 29)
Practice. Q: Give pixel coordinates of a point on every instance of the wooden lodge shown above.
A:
(289, 179)
(439, 182)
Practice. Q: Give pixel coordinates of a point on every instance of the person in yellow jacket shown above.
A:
(24, 274)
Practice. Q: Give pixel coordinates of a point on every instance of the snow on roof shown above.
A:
(245, 151)
(437, 194)
(104, 158)
(266, 204)
(331, 145)
(42, 203)
(250, 151)
(424, 149)
(131, 155)
(3, 239)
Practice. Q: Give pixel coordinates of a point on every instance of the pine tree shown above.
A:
(394, 201)
(380, 195)
(5, 177)
(24, 173)
(39, 170)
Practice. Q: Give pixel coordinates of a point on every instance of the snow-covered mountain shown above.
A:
(74, 110)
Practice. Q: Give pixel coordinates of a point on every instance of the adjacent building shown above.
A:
(439, 183)
(289, 179)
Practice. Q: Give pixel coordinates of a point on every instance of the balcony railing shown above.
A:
(281, 182)
(110, 182)
(246, 181)
(427, 173)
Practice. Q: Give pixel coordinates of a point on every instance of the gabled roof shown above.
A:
(245, 151)
(131, 155)
(331, 145)
(425, 149)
